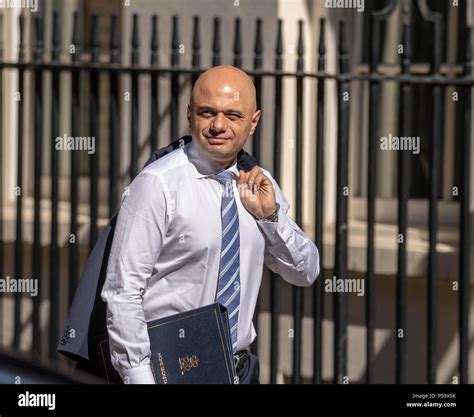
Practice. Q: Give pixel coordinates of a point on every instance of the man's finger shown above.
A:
(253, 174)
(257, 182)
(245, 192)
(259, 178)
(242, 177)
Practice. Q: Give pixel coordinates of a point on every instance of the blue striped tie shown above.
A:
(228, 287)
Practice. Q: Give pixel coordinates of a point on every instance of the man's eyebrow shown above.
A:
(235, 111)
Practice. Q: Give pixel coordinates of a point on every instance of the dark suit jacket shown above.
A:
(87, 315)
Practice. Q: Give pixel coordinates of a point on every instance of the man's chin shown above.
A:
(218, 152)
(223, 150)
(220, 155)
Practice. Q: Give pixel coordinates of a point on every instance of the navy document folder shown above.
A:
(193, 347)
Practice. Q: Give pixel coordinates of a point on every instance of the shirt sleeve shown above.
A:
(138, 239)
(288, 251)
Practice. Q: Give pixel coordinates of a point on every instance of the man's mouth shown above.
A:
(216, 140)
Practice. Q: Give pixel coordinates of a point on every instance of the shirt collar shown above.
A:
(202, 166)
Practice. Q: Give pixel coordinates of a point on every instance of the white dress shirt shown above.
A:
(165, 254)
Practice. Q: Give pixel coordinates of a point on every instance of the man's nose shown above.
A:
(218, 123)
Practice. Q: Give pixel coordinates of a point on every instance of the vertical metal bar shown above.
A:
(237, 44)
(257, 66)
(174, 115)
(318, 290)
(114, 119)
(94, 131)
(216, 42)
(135, 104)
(465, 222)
(258, 49)
(155, 105)
(405, 105)
(340, 298)
(2, 248)
(437, 94)
(374, 35)
(19, 195)
(54, 248)
(275, 278)
(38, 115)
(75, 128)
(298, 291)
(196, 49)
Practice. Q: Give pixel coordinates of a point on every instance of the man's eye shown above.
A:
(205, 113)
(233, 117)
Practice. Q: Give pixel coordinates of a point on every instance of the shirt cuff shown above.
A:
(277, 233)
(139, 375)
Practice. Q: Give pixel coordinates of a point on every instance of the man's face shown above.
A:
(221, 117)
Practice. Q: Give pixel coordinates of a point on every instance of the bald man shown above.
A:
(194, 230)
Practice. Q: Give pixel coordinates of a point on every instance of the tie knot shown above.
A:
(225, 176)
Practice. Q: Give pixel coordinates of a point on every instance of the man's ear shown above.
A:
(255, 119)
(188, 114)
